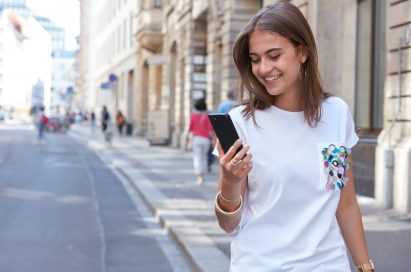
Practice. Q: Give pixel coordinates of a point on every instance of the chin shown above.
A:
(274, 92)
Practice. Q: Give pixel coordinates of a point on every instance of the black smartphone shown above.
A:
(225, 130)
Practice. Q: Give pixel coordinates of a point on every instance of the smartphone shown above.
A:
(225, 130)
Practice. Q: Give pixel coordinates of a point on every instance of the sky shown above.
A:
(65, 13)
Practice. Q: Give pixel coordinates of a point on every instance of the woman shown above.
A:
(290, 190)
(202, 133)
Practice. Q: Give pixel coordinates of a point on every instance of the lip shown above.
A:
(271, 82)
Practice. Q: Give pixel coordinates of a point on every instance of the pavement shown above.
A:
(164, 177)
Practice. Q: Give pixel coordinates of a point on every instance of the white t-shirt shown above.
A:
(288, 221)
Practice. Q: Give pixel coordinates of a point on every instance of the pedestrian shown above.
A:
(93, 121)
(226, 105)
(290, 190)
(202, 134)
(105, 118)
(41, 125)
(120, 120)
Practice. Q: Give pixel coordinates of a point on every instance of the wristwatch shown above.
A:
(366, 267)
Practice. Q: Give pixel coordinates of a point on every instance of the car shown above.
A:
(56, 124)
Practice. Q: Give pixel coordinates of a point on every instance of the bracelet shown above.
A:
(228, 200)
(230, 214)
(366, 267)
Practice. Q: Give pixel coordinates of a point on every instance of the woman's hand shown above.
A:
(235, 168)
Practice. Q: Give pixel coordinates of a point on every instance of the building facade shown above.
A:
(184, 51)
(25, 64)
(108, 56)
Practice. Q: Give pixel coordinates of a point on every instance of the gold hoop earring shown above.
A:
(299, 72)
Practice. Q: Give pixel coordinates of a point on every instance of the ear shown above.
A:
(302, 53)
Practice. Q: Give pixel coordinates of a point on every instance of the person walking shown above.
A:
(120, 121)
(41, 125)
(226, 105)
(290, 190)
(105, 118)
(202, 134)
(106, 125)
(93, 122)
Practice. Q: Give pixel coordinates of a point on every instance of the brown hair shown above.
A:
(287, 20)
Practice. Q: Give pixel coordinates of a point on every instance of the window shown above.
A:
(157, 3)
(131, 30)
(370, 66)
(124, 33)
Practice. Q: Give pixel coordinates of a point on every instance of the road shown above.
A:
(63, 209)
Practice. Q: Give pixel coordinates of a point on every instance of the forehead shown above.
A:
(260, 41)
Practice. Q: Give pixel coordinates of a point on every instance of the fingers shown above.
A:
(231, 152)
(236, 166)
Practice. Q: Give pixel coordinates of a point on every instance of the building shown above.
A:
(107, 56)
(57, 35)
(63, 79)
(183, 52)
(25, 58)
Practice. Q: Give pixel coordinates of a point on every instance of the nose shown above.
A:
(265, 67)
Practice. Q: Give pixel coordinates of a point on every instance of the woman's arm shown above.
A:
(350, 222)
(232, 185)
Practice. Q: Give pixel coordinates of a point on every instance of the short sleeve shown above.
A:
(351, 137)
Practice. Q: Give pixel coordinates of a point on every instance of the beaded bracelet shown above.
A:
(230, 214)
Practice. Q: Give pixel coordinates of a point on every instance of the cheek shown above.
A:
(254, 69)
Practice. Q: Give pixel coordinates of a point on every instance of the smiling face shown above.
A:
(275, 62)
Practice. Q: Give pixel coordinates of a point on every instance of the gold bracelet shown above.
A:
(230, 214)
(366, 267)
(228, 200)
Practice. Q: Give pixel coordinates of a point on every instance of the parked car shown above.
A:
(56, 124)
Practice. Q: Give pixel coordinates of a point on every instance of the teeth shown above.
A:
(272, 78)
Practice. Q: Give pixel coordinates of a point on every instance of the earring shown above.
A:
(299, 72)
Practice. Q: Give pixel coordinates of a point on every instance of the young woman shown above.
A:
(202, 133)
(290, 190)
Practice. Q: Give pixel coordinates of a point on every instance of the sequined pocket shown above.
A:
(334, 163)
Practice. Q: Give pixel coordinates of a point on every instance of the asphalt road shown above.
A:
(62, 209)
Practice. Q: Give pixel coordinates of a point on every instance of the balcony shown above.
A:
(148, 33)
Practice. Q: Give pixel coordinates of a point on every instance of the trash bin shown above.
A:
(129, 129)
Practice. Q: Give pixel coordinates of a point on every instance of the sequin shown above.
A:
(336, 164)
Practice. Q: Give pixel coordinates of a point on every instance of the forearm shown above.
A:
(229, 201)
(350, 222)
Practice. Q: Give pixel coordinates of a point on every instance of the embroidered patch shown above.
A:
(335, 164)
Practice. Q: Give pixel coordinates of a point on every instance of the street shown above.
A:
(77, 204)
(62, 209)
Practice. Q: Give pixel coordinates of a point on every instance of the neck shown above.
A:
(289, 101)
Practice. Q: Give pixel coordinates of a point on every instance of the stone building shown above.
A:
(183, 51)
(108, 56)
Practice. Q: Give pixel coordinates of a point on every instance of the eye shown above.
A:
(276, 57)
(254, 59)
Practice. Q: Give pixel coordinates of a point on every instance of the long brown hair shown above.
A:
(287, 20)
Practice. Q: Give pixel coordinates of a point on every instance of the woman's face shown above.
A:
(275, 61)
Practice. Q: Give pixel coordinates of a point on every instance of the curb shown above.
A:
(199, 248)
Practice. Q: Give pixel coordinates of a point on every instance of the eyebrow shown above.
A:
(268, 51)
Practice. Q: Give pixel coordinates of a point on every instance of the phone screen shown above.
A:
(225, 130)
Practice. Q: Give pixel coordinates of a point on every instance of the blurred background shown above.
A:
(151, 59)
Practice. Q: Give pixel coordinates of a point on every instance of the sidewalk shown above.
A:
(164, 178)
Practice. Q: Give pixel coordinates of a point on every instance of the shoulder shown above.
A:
(237, 112)
(334, 104)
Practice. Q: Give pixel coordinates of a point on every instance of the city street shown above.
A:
(77, 204)
(62, 209)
